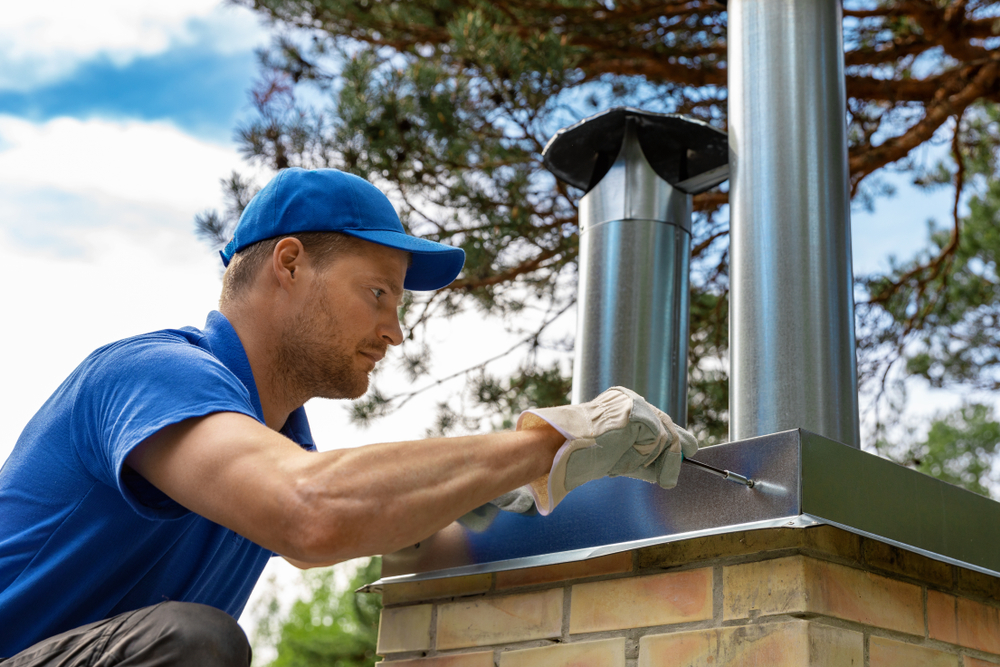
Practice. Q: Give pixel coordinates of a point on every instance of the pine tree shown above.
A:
(447, 105)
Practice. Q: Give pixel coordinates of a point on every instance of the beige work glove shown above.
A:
(617, 433)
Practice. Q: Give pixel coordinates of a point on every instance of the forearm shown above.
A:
(383, 497)
(316, 508)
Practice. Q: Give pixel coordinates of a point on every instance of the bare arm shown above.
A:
(326, 507)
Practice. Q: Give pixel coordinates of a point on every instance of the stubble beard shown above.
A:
(316, 360)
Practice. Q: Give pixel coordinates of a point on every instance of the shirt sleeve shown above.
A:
(135, 388)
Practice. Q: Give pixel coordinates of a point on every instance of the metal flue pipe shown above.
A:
(792, 345)
(639, 170)
(633, 305)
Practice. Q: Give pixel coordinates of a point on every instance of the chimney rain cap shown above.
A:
(690, 155)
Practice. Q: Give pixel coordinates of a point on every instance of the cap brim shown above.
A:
(434, 265)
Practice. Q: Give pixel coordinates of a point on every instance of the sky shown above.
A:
(116, 125)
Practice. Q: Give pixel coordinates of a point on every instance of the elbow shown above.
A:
(311, 547)
(317, 530)
(302, 565)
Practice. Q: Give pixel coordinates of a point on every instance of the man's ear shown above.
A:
(287, 262)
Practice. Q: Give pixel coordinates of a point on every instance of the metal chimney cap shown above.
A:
(690, 155)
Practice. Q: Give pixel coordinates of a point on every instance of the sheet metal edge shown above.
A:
(902, 545)
(896, 505)
(562, 557)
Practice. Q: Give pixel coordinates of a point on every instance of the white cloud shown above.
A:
(42, 42)
(65, 307)
(153, 163)
(96, 232)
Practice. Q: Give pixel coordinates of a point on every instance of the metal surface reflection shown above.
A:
(632, 326)
(791, 315)
(621, 510)
(639, 170)
(803, 480)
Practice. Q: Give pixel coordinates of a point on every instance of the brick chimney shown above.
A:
(780, 597)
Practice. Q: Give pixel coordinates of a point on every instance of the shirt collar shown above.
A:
(225, 344)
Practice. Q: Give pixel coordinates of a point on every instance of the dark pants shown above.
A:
(168, 634)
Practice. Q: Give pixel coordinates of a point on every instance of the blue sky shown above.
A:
(116, 124)
(196, 88)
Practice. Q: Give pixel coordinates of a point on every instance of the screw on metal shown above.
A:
(724, 474)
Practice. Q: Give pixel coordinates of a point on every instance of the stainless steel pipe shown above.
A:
(792, 345)
(639, 170)
(633, 312)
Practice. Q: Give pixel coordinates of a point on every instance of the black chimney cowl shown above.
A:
(690, 155)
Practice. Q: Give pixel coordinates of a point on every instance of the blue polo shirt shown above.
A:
(84, 538)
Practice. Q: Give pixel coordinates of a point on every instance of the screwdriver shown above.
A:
(725, 474)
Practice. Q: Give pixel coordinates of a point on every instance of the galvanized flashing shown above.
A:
(802, 480)
(871, 496)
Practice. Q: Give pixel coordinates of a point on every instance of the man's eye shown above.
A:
(377, 292)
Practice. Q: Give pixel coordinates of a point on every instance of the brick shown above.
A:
(613, 564)
(418, 591)
(884, 652)
(942, 617)
(480, 659)
(822, 539)
(900, 561)
(964, 622)
(692, 649)
(604, 653)
(500, 620)
(789, 644)
(832, 541)
(977, 584)
(969, 661)
(806, 585)
(404, 629)
(636, 602)
(978, 626)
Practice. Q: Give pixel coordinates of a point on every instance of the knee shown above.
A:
(201, 635)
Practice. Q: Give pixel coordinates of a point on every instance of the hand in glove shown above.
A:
(617, 433)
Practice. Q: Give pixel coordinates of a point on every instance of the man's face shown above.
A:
(348, 321)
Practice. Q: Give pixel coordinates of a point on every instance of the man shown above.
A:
(141, 503)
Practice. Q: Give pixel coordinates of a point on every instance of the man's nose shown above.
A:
(390, 331)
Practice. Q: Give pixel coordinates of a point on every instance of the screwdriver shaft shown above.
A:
(725, 474)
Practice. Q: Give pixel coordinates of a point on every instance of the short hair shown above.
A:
(322, 247)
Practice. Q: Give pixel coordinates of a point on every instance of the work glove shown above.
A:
(519, 501)
(617, 433)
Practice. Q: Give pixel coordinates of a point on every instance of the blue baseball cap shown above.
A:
(328, 200)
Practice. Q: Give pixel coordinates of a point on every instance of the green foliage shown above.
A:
(528, 388)
(447, 105)
(938, 314)
(327, 628)
(708, 376)
(959, 448)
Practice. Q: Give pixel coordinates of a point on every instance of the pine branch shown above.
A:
(533, 264)
(401, 399)
(943, 107)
